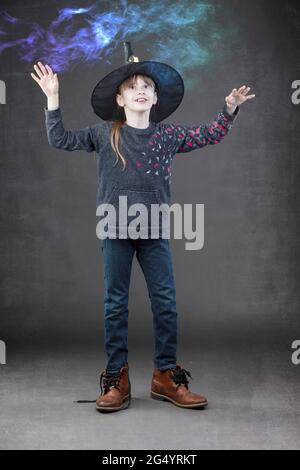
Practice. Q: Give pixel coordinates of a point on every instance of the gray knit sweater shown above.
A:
(148, 152)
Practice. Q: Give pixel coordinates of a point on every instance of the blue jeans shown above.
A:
(154, 257)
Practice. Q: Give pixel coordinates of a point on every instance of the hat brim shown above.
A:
(170, 90)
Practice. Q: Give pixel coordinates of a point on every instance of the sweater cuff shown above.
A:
(231, 117)
(52, 112)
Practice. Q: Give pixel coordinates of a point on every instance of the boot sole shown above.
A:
(157, 396)
(107, 409)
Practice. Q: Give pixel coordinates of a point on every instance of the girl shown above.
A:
(135, 152)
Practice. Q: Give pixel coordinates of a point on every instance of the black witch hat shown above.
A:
(169, 87)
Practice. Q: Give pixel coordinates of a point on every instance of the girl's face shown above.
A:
(137, 95)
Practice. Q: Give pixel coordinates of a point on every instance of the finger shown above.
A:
(246, 90)
(43, 68)
(241, 89)
(36, 68)
(49, 70)
(250, 96)
(35, 78)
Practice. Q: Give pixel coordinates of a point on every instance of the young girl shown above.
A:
(135, 153)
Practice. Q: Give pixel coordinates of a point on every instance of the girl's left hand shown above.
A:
(237, 97)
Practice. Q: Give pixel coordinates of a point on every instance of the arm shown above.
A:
(188, 138)
(82, 139)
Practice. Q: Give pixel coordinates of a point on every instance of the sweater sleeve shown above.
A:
(188, 138)
(81, 139)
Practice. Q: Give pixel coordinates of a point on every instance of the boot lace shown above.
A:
(180, 376)
(108, 380)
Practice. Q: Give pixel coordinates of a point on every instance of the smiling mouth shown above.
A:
(142, 100)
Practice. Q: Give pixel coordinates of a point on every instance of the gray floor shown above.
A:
(253, 403)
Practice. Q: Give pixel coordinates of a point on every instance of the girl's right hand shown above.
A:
(47, 80)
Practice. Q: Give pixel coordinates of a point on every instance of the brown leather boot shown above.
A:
(117, 390)
(172, 385)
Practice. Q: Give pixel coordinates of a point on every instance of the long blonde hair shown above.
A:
(115, 132)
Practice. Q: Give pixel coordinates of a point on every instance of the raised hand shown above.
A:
(237, 97)
(46, 79)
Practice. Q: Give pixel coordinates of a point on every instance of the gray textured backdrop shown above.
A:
(243, 285)
(237, 298)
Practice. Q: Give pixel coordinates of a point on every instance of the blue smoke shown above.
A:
(185, 35)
